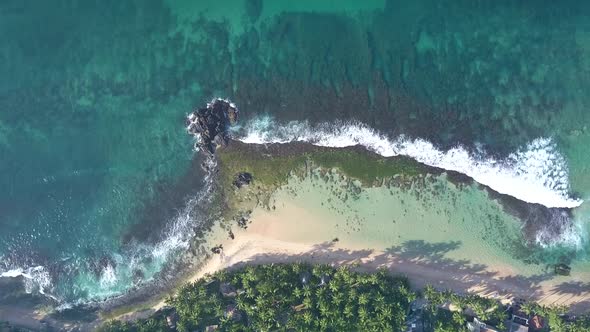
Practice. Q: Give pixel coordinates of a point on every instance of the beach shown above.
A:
(297, 226)
(427, 227)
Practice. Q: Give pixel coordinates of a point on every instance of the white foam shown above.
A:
(12, 273)
(537, 173)
(176, 237)
(179, 231)
(570, 237)
(108, 277)
(35, 278)
(562, 231)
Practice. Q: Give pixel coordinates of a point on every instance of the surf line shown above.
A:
(536, 173)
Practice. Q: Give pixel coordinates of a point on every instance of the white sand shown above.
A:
(301, 228)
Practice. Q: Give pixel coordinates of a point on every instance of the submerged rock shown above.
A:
(562, 269)
(210, 124)
(243, 219)
(98, 265)
(217, 249)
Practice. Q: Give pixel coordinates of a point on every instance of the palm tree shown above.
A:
(458, 318)
(307, 317)
(348, 310)
(363, 314)
(337, 299)
(297, 293)
(308, 303)
(334, 286)
(528, 308)
(430, 293)
(363, 299)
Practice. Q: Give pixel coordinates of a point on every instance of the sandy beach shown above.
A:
(262, 245)
(299, 227)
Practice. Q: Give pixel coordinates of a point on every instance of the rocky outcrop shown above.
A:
(210, 124)
(242, 179)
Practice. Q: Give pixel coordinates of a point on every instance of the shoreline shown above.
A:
(288, 224)
(256, 247)
(292, 232)
(273, 236)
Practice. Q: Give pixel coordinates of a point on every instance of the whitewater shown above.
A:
(536, 173)
(116, 279)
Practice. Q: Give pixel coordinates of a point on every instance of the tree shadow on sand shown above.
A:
(423, 263)
(572, 294)
(433, 257)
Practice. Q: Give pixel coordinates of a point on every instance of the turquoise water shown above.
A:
(93, 153)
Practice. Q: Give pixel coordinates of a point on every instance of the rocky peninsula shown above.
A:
(349, 207)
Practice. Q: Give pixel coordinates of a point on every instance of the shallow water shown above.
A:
(433, 223)
(428, 209)
(92, 99)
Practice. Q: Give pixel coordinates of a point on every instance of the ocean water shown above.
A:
(98, 177)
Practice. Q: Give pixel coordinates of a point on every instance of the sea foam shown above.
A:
(536, 173)
(36, 279)
(114, 277)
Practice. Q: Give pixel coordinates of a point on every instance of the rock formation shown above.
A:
(210, 124)
(242, 179)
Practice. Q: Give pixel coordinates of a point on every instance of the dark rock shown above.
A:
(138, 276)
(242, 222)
(171, 320)
(228, 290)
(211, 124)
(217, 249)
(562, 269)
(242, 179)
(243, 219)
(97, 266)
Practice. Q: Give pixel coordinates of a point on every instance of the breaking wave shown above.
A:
(561, 231)
(536, 173)
(36, 279)
(133, 267)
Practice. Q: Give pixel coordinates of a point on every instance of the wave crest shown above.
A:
(536, 173)
(138, 264)
(36, 279)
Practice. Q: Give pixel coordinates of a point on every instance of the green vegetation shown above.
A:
(303, 297)
(490, 311)
(268, 169)
(292, 297)
(485, 309)
(366, 166)
(555, 316)
(272, 166)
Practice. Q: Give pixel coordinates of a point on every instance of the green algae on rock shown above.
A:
(272, 165)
